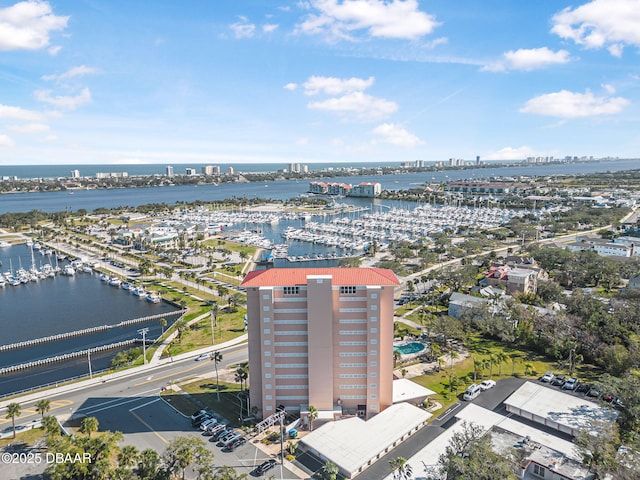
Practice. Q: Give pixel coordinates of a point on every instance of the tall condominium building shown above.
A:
(169, 171)
(75, 173)
(321, 337)
(211, 170)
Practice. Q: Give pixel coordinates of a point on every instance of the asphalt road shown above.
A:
(133, 406)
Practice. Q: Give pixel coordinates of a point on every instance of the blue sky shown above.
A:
(235, 81)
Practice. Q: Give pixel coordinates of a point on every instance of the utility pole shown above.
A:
(144, 331)
(89, 360)
(281, 444)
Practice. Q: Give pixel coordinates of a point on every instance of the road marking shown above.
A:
(144, 405)
(149, 426)
(31, 411)
(169, 376)
(136, 399)
(116, 401)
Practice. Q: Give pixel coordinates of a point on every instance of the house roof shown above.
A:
(280, 277)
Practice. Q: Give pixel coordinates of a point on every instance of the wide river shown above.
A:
(66, 304)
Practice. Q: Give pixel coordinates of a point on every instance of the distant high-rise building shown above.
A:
(211, 170)
(190, 171)
(294, 167)
(477, 159)
(229, 170)
(75, 173)
(169, 171)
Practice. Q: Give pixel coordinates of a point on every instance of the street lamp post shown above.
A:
(144, 331)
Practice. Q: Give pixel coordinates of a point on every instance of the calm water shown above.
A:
(63, 304)
(281, 190)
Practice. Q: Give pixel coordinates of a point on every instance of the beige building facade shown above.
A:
(321, 337)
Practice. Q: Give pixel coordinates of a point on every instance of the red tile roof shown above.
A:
(282, 277)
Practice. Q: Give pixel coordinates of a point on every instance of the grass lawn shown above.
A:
(29, 437)
(230, 326)
(205, 393)
(518, 362)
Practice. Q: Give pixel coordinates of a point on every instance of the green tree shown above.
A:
(42, 407)
(148, 464)
(128, 456)
(13, 410)
(163, 324)
(501, 358)
(89, 425)
(400, 468)
(51, 426)
(216, 357)
(330, 471)
(313, 414)
(185, 451)
(469, 456)
(599, 452)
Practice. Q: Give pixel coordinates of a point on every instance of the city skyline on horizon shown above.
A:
(316, 81)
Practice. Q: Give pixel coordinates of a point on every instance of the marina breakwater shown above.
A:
(86, 331)
(66, 356)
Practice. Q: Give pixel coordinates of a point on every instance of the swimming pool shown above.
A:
(409, 348)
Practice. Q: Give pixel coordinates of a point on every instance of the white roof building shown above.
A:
(354, 444)
(555, 409)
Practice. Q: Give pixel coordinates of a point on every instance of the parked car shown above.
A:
(558, 380)
(583, 388)
(204, 425)
(226, 440)
(218, 435)
(215, 428)
(594, 392)
(264, 467)
(547, 377)
(472, 392)
(487, 384)
(570, 384)
(238, 442)
(197, 414)
(201, 419)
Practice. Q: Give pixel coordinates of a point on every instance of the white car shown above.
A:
(487, 384)
(204, 356)
(547, 377)
(472, 392)
(570, 384)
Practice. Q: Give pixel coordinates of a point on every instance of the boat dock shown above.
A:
(87, 331)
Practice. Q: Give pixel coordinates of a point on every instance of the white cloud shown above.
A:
(30, 128)
(6, 141)
(510, 153)
(53, 51)
(269, 27)
(243, 30)
(396, 135)
(336, 86)
(17, 113)
(64, 102)
(27, 25)
(361, 106)
(610, 89)
(72, 72)
(601, 23)
(566, 104)
(291, 86)
(528, 59)
(379, 18)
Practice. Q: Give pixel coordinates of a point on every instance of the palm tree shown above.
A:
(400, 468)
(330, 471)
(453, 355)
(217, 358)
(477, 366)
(527, 368)
(128, 456)
(89, 425)
(396, 356)
(514, 358)
(163, 323)
(501, 357)
(13, 411)
(492, 359)
(313, 414)
(51, 426)
(242, 373)
(43, 406)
